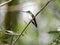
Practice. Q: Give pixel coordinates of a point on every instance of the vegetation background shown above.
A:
(14, 18)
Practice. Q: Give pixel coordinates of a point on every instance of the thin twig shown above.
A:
(30, 22)
(2, 4)
(11, 40)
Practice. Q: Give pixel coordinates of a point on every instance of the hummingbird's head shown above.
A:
(26, 11)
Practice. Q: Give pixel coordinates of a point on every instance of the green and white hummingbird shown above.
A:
(32, 15)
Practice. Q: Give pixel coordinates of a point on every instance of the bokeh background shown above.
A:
(14, 19)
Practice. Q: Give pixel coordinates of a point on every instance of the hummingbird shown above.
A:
(32, 15)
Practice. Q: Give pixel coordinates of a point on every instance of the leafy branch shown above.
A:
(56, 41)
(30, 22)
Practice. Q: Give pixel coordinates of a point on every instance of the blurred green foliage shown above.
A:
(31, 35)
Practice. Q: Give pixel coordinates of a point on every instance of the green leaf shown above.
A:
(52, 32)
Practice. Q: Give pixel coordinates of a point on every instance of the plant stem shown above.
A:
(31, 21)
(2, 4)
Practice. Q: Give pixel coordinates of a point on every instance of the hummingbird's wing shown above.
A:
(34, 21)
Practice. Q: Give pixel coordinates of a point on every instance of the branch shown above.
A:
(2, 4)
(30, 22)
